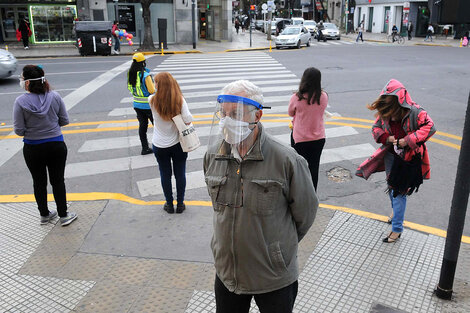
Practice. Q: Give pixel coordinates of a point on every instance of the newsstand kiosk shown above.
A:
(94, 37)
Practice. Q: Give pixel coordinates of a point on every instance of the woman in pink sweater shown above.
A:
(307, 107)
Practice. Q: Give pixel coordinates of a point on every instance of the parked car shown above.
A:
(281, 24)
(259, 24)
(331, 31)
(297, 21)
(311, 26)
(293, 36)
(8, 63)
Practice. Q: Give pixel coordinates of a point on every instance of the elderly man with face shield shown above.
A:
(264, 203)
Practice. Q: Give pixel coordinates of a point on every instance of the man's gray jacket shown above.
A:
(263, 206)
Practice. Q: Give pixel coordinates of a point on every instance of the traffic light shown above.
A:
(208, 6)
(252, 7)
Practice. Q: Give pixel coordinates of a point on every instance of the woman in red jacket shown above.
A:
(402, 127)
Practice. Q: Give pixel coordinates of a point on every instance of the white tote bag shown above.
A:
(187, 134)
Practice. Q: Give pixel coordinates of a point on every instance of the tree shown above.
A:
(148, 38)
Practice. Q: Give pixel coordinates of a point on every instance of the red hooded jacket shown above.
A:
(417, 124)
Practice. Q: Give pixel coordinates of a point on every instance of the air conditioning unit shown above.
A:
(97, 4)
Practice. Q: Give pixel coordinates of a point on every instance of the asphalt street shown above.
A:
(104, 156)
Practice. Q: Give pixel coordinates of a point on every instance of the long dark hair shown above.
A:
(136, 67)
(310, 84)
(35, 86)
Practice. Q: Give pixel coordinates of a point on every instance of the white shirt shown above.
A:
(165, 133)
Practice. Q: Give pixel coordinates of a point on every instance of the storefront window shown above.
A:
(52, 23)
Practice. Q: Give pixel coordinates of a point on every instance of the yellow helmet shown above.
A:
(138, 57)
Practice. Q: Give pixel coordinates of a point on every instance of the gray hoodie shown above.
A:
(39, 116)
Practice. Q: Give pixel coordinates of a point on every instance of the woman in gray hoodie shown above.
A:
(37, 116)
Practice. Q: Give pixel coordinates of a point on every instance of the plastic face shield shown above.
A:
(234, 121)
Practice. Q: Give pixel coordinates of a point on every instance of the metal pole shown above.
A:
(193, 17)
(270, 17)
(249, 25)
(458, 211)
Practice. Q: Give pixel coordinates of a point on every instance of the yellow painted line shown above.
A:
(445, 143)
(111, 129)
(353, 119)
(414, 226)
(449, 135)
(6, 129)
(94, 196)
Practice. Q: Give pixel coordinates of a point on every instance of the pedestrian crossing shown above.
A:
(201, 78)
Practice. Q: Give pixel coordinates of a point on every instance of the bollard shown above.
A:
(460, 45)
(162, 49)
(270, 47)
(6, 46)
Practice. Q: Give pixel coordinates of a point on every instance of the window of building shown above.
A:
(52, 23)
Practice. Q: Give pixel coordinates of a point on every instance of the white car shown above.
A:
(296, 21)
(8, 64)
(311, 26)
(293, 36)
(331, 31)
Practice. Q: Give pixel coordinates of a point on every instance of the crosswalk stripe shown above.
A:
(218, 67)
(202, 131)
(211, 103)
(233, 77)
(290, 88)
(256, 82)
(323, 43)
(215, 64)
(153, 187)
(194, 180)
(331, 132)
(334, 43)
(347, 42)
(220, 70)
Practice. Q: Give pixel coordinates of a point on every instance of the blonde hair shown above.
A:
(168, 98)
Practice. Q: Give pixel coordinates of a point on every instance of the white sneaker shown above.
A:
(26, 48)
(117, 52)
(46, 219)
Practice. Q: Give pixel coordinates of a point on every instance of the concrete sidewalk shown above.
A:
(122, 257)
(240, 41)
(415, 41)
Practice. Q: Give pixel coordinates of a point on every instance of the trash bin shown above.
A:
(162, 33)
(94, 37)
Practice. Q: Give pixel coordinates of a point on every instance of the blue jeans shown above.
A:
(359, 36)
(164, 158)
(398, 203)
(117, 44)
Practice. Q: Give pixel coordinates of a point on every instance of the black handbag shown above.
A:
(405, 176)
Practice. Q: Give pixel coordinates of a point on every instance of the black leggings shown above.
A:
(311, 151)
(144, 115)
(40, 159)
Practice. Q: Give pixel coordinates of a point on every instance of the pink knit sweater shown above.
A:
(308, 119)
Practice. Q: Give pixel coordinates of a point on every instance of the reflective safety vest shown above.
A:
(139, 92)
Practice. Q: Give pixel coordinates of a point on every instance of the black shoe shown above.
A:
(388, 239)
(180, 207)
(169, 208)
(146, 151)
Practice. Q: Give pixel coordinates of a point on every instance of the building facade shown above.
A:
(53, 21)
(379, 16)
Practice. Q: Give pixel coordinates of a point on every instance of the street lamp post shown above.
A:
(193, 21)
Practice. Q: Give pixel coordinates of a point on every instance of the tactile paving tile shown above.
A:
(336, 223)
(317, 299)
(162, 300)
(87, 267)
(207, 278)
(25, 293)
(109, 297)
(343, 252)
(175, 274)
(384, 264)
(433, 251)
(131, 271)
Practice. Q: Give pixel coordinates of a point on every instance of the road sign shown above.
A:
(264, 6)
(271, 4)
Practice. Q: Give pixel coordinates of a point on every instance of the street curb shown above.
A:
(432, 44)
(170, 52)
(246, 49)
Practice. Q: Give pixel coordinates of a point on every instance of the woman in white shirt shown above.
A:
(168, 102)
